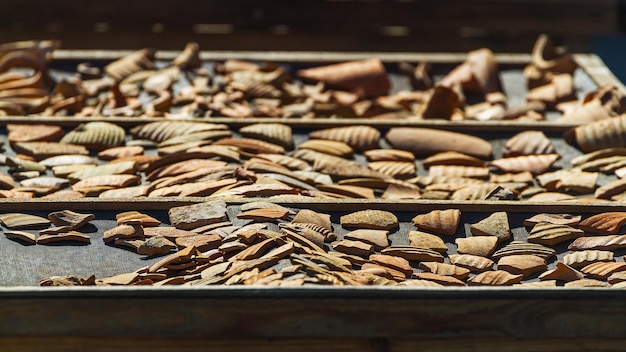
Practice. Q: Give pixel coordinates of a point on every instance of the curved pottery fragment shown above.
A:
(425, 141)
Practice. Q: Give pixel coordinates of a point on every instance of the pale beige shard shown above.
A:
(66, 170)
(396, 169)
(264, 189)
(313, 217)
(275, 133)
(617, 277)
(473, 192)
(251, 145)
(556, 219)
(182, 256)
(196, 215)
(528, 143)
(551, 234)
(524, 264)
(609, 242)
(452, 158)
(71, 236)
(443, 222)
(44, 150)
(414, 254)
(580, 259)
(610, 189)
(549, 196)
(370, 219)
(124, 232)
(32, 133)
(458, 171)
(345, 191)
(535, 164)
(68, 159)
(482, 246)
(55, 230)
(112, 181)
(445, 280)
(70, 218)
(126, 167)
(383, 271)
(168, 146)
(598, 154)
(22, 221)
(64, 194)
(562, 272)
(399, 191)
(163, 130)
(569, 180)
(537, 284)
(96, 135)
(521, 177)
(604, 223)
(606, 133)
(607, 164)
(287, 161)
(388, 155)
(121, 152)
(587, 283)
(602, 270)
(41, 181)
(21, 236)
(519, 247)
(360, 138)
(128, 192)
(394, 262)
(357, 248)
(496, 224)
(495, 278)
(257, 250)
(425, 240)
(474, 263)
(140, 60)
(455, 271)
(135, 217)
(334, 148)
(377, 238)
(424, 141)
(419, 283)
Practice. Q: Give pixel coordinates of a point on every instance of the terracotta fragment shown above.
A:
(442, 103)
(348, 191)
(112, 181)
(452, 158)
(536, 164)
(129, 64)
(270, 132)
(123, 231)
(606, 133)
(537, 284)
(610, 242)
(587, 283)
(377, 238)
(414, 254)
(423, 141)
(357, 248)
(610, 189)
(524, 264)
(163, 130)
(55, 230)
(495, 278)
(96, 135)
(192, 216)
(32, 133)
(264, 214)
(44, 150)
(264, 189)
(120, 152)
(459, 171)
(443, 222)
(496, 224)
(22, 221)
(396, 169)
(604, 223)
(482, 246)
(370, 219)
(135, 217)
(396, 263)
(394, 191)
(562, 272)
(71, 236)
(519, 248)
(360, 138)
(472, 262)
(23, 237)
(388, 155)
(171, 233)
(457, 272)
(70, 218)
(425, 240)
(528, 143)
(121, 279)
(551, 234)
(602, 270)
(444, 280)
(251, 145)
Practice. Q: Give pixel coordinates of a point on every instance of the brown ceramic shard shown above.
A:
(536, 164)
(120, 152)
(388, 155)
(551, 234)
(264, 214)
(472, 262)
(192, 216)
(562, 272)
(377, 238)
(135, 62)
(22, 221)
(528, 143)
(396, 169)
(495, 278)
(312, 217)
(587, 283)
(360, 138)
(270, 132)
(171, 233)
(370, 219)
(424, 141)
(334, 148)
(604, 223)
(482, 246)
(357, 248)
(442, 103)
(524, 264)
(580, 259)
(369, 76)
(348, 191)
(458, 171)
(124, 232)
(135, 217)
(32, 133)
(452, 158)
(71, 236)
(425, 240)
(393, 262)
(443, 222)
(70, 218)
(610, 189)
(445, 280)
(606, 133)
(457, 272)
(602, 270)
(96, 135)
(519, 248)
(414, 254)
(21, 236)
(610, 242)
(43, 150)
(496, 224)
